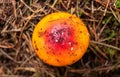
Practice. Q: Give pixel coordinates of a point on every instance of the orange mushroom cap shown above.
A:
(60, 39)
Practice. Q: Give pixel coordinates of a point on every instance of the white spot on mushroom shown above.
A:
(71, 48)
(70, 43)
(56, 40)
(62, 33)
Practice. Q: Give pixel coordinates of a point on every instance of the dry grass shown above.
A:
(19, 17)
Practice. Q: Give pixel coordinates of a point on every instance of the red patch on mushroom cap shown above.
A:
(60, 36)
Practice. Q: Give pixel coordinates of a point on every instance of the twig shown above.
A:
(51, 7)
(14, 6)
(27, 59)
(6, 46)
(29, 18)
(8, 75)
(99, 51)
(93, 50)
(104, 27)
(108, 68)
(55, 1)
(66, 8)
(27, 6)
(107, 45)
(31, 69)
(103, 14)
(87, 14)
(8, 56)
(114, 14)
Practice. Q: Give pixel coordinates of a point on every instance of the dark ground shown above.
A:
(19, 17)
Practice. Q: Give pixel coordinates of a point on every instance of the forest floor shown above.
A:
(18, 19)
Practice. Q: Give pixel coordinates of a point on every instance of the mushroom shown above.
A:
(60, 39)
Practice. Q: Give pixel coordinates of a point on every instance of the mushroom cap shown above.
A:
(60, 39)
